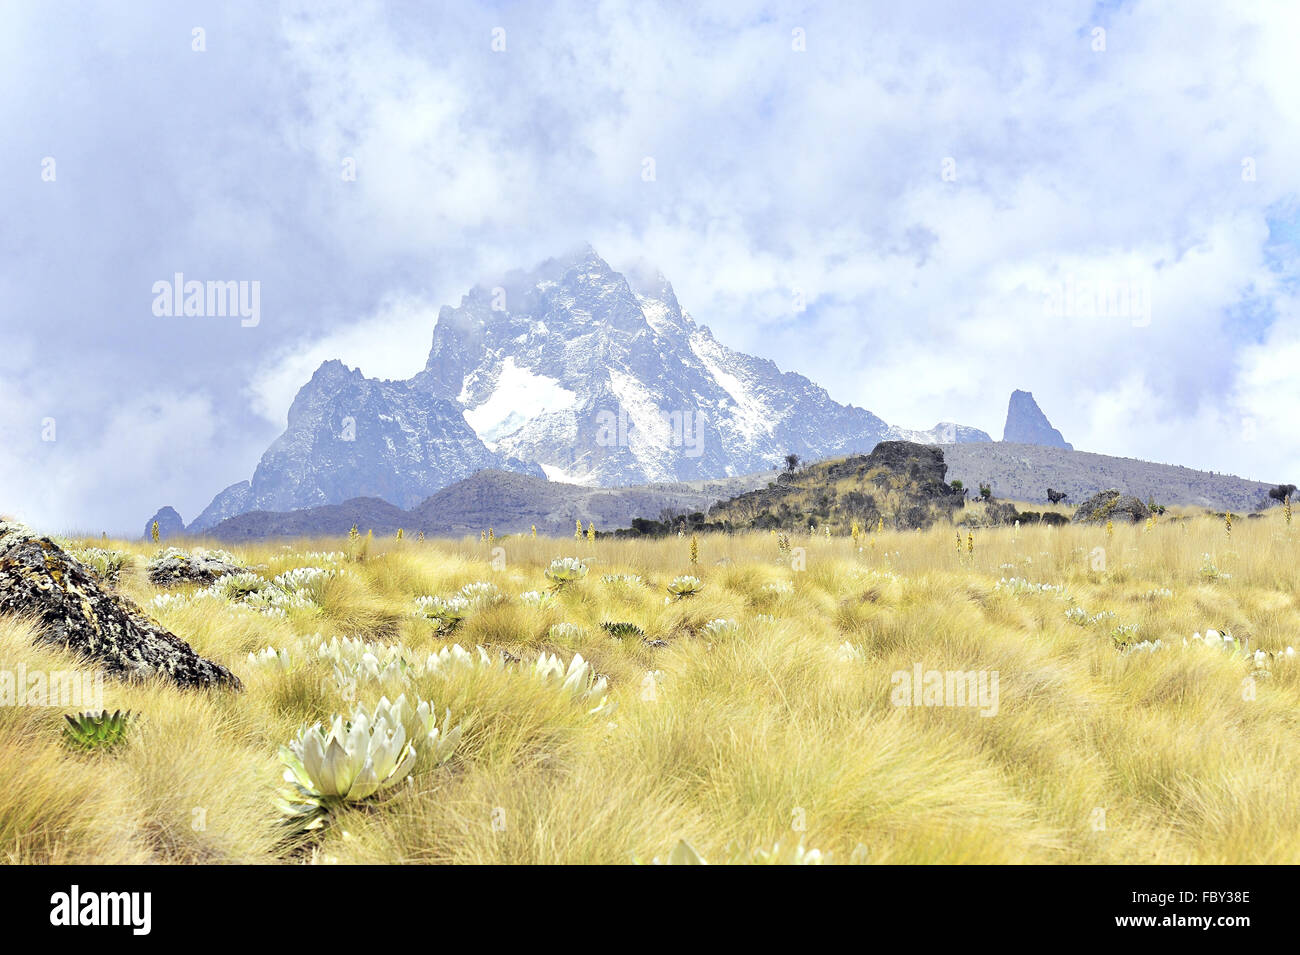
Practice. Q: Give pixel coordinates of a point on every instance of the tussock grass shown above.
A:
(736, 737)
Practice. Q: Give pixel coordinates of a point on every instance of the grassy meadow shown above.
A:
(756, 721)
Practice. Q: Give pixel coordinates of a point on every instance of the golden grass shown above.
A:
(761, 734)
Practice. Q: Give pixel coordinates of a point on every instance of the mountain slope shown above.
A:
(510, 502)
(350, 436)
(1024, 472)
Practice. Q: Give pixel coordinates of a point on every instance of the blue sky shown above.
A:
(776, 169)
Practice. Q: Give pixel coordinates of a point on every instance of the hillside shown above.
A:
(899, 484)
(505, 501)
(835, 492)
(1024, 472)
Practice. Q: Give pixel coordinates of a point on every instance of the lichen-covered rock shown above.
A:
(1111, 505)
(175, 566)
(38, 579)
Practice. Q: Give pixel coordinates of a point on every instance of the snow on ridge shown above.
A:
(657, 315)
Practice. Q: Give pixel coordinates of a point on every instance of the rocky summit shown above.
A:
(1026, 423)
(175, 566)
(169, 524)
(572, 370)
(38, 579)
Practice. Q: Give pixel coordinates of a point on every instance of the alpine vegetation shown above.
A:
(95, 732)
(684, 586)
(358, 755)
(565, 570)
(426, 704)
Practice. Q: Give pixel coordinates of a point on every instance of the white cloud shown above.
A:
(391, 342)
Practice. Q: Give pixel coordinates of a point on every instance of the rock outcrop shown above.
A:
(38, 579)
(169, 524)
(1111, 505)
(199, 566)
(900, 483)
(1026, 423)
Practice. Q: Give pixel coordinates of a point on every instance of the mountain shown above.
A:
(571, 370)
(1026, 423)
(169, 524)
(329, 520)
(506, 501)
(350, 436)
(228, 503)
(605, 384)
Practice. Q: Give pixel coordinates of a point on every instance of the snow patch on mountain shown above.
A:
(945, 432)
(560, 475)
(519, 396)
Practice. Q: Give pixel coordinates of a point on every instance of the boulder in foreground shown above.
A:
(175, 566)
(1111, 505)
(38, 579)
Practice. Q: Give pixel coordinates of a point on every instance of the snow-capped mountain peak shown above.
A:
(570, 369)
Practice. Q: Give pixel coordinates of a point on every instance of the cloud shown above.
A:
(366, 343)
(776, 171)
(149, 440)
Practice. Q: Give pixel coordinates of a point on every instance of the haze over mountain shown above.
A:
(571, 370)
